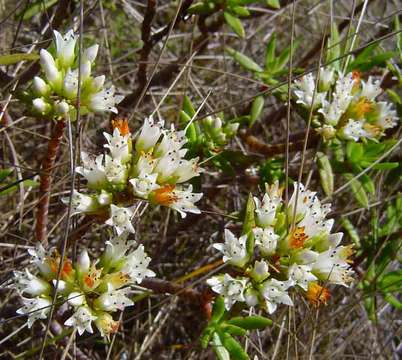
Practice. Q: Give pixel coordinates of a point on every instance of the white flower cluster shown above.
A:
(154, 170)
(56, 93)
(279, 254)
(345, 106)
(93, 290)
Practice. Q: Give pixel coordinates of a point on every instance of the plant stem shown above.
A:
(46, 182)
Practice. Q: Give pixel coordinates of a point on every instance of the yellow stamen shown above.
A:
(122, 125)
(362, 107)
(317, 294)
(297, 238)
(164, 195)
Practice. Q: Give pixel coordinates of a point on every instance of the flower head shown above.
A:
(299, 252)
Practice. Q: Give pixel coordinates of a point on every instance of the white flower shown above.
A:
(260, 271)
(81, 320)
(49, 67)
(39, 255)
(314, 222)
(266, 209)
(305, 200)
(104, 100)
(266, 240)
(92, 169)
(167, 165)
(120, 218)
(353, 130)
(230, 288)
(30, 284)
(341, 98)
(75, 299)
(118, 145)
(65, 47)
(186, 170)
(305, 91)
(114, 300)
(144, 184)
(387, 116)
(117, 247)
(370, 89)
(36, 308)
(41, 106)
(332, 266)
(81, 203)
(115, 171)
(301, 275)
(145, 163)
(150, 134)
(183, 201)
(331, 111)
(136, 265)
(40, 87)
(275, 292)
(172, 140)
(234, 249)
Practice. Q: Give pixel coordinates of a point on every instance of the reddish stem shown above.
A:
(46, 181)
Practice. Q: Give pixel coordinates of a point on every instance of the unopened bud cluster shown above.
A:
(93, 290)
(154, 169)
(345, 106)
(215, 133)
(55, 94)
(290, 246)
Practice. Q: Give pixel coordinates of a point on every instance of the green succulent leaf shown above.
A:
(234, 23)
(256, 109)
(235, 349)
(249, 218)
(326, 173)
(218, 309)
(219, 348)
(251, 322)
(15, 58)
(244, 60)
(357, 190)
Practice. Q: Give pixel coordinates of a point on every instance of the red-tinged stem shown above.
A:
(46, 181)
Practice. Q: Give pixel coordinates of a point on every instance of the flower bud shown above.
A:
(61, 108)
(40, 87)
(97, 83)
(105, 198)
(75, 299)
(91, 52)
(217, 123)
(85, 70)
(49, 67)
(83, 261)
(260, 271)
(106, 325)
(251, 296)
(41, 106)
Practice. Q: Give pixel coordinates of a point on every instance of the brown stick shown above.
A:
(46, 181)
(160, 286)
(275, 149)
